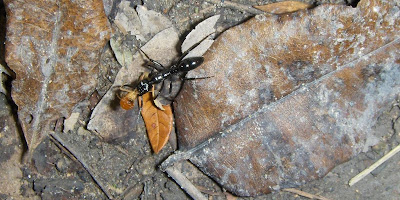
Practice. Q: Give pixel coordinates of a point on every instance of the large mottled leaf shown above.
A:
(53, 48)
(291, 96)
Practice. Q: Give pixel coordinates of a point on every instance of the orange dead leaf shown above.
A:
(284, 7)
(158, 122)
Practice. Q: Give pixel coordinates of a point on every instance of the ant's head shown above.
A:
(143, 87)
(190, 63)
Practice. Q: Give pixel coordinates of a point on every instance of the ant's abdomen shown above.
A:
(190, 63)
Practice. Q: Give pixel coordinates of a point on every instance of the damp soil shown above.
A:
(80, 165)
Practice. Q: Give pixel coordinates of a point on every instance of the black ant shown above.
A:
(147, 82)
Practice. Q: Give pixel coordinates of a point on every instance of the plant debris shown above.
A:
(78, 164)
(364, 173)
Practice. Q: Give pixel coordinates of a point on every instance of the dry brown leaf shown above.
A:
(291, 96)
(158, 122)
(53, 47)
(284, 7)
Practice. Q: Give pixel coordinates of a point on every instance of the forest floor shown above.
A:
(79, 165)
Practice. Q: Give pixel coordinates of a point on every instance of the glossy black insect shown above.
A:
(184, 65)
(159, 74)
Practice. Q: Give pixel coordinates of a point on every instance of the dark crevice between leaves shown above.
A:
(14, 111)
(352, 3)
(8, 79)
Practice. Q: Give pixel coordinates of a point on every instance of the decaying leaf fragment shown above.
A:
(53, 48)
(158, 122)
(291, 96)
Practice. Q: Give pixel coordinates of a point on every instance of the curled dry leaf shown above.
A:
(158, 122)
(291, 96)
(284, 7)
(53, 48)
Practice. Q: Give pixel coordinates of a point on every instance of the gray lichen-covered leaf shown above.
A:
(291, 96)
(53, 49)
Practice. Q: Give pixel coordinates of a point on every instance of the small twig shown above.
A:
(364, 173)
(63, 149)
(209, 192)
(304, 194)
(127, 191)
(185, 183)
(168, 167)
(70, 152)
(199, 14)
(237, 6)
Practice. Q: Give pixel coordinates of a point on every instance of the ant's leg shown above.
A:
(152, 92)
(170, 87)
(168, 97)
(125, 90)
(140, 101)
(144, 75)
(159, 91)
(122, 88)
(197, 78)
(158, 66)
